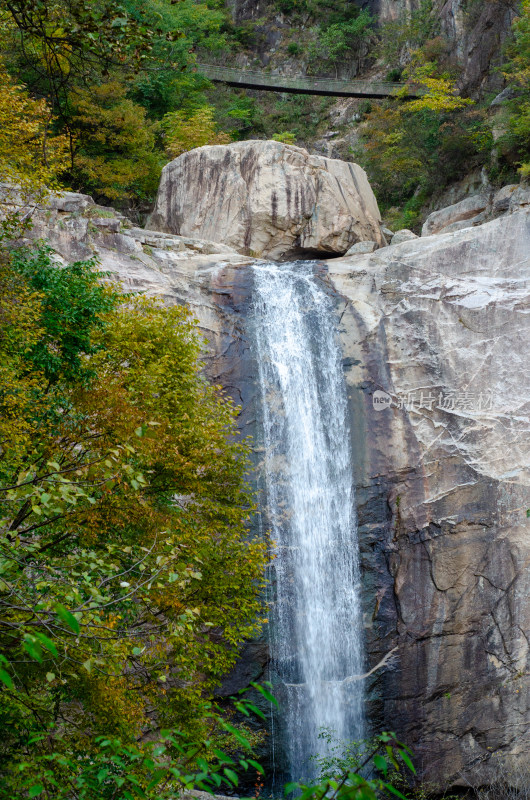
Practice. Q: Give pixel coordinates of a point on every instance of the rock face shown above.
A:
(467, 212)
(404, 235)
(435, 333)
(362, 247)
(267, 199)
(476, 209)
(474, 36)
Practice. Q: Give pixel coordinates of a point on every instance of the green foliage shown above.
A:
(105, 68)
(246, 35)
(71, 310)
(184, 132)
(235, 113)
(114, 144)
(514, 144)
(31, 158)
(410, 153)
(163, 85)
(411, 149)
(438, 91)
(127, 580)
(342, 776)
(58, 44)
(286, 137)
(409, 32)
(299, 114)
(340, 756)
(337, 40)
(409, 215)
(122, 769)
(325, 12)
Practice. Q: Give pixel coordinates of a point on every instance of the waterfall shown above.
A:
(315, 608)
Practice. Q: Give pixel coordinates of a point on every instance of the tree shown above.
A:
(114, 144)
(338, 39)
(31, 156)
(127, 580)
(61, 43)
(104, 68)
(437, 91)
(412, 148)
(184, 132)
(71, 307)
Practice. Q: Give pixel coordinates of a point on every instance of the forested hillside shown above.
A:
(117, 93)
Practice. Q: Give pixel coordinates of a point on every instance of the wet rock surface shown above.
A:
(267, 199)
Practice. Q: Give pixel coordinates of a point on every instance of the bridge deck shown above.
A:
(329, 87)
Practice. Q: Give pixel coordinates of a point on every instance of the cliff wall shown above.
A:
(434, 333)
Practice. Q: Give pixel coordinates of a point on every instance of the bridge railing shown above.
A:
(306, 83)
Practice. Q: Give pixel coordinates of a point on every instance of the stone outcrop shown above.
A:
(435, 333)
(476, 209)
(267, 199)
(362, 247)
(470, 211)
(404, 235)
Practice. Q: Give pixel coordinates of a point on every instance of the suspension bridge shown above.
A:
(329, 87)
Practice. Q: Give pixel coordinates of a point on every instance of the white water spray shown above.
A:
(315, 612)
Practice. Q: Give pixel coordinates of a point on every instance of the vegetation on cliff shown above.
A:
(514, 141)
(127, 578)
(119, 95)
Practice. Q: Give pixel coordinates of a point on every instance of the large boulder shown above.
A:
(267, 199)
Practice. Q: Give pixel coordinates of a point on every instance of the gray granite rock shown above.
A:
(471, 222)
(267, 199)
(404, 235)
(362, 247)
(438, 221)
(501, 199)
(441, 325)
(520, 198)
(69, 201)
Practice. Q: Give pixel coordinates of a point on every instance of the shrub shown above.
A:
(286, 137)
(128, 579)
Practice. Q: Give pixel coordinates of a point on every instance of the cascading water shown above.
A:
(315, 611)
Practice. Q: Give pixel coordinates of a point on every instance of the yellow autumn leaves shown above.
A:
(31, 155)
(183, 132)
